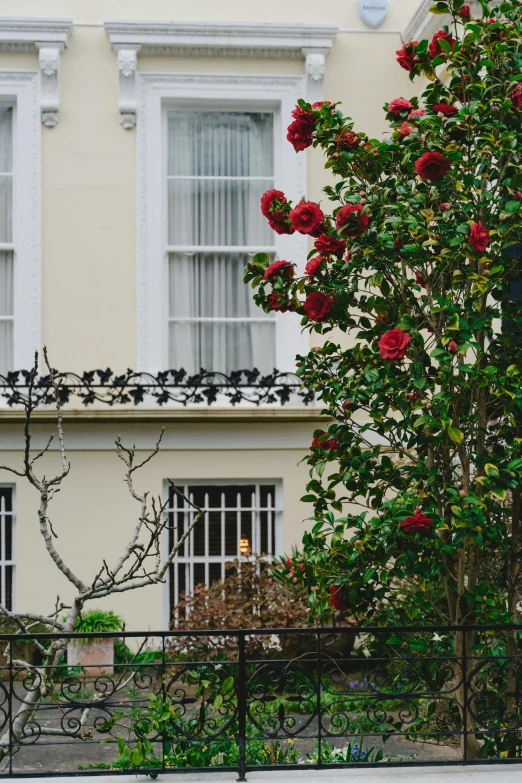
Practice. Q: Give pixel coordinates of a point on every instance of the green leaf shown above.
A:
(228, 684)
(491, 470)
(218, 701)
(369, 575)
(456, 435)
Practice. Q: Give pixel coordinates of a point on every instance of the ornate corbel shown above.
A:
(127, 67)
(315, 62)
(49, 58)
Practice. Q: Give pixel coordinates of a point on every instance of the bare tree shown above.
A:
(140, 564)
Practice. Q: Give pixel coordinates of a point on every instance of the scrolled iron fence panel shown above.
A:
(321, 698)
(171, 386)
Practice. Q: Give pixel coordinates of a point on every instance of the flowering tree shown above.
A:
(415, 260)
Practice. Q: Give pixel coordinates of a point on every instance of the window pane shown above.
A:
(210, 285)
(6, 282)
(217, 212)
(215, 143)
(218, 347)
(6, 138)
(8, 598)
(214, 572)
(199, 574)
(6, 207)
(6, 347)
(6, 498)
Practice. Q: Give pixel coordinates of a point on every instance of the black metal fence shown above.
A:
(260, 699)
(170, 386)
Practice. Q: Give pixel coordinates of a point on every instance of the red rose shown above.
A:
(284, 268)
(329, 245)
(405, 129)
(406, 55)
(306, 217)
(416, 113)
(275, 304)
(335, 600)
(347, 140)
(267, 200)
(418, 523)
(478, 237)
(317, 306)
(465, 12)
(393, 345)
(313, 267)
(352, 220)
(516, 96)
(446, 109)
(435, 48)
(399, 105)
(280, 224)
(432, 166)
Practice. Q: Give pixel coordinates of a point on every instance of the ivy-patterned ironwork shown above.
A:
(346, 696)
(170, 386)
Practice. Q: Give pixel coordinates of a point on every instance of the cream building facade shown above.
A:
(133, 157)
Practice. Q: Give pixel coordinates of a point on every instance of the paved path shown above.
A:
(490, 773)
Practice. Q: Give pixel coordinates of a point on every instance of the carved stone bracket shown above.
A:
(50, 36)
(49, 57)
(127, 66)
(315, 60)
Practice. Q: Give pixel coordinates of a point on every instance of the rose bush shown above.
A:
(415, 260)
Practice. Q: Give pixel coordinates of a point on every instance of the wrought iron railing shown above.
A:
(276, 698)
(177, 386)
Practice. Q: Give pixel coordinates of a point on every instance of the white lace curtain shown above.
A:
(6, 238)
(219, 164)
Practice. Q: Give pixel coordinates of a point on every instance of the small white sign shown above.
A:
(373, 12)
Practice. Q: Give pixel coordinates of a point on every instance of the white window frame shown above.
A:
(251, 93)
(12, 561)
(276, 521)
(19, 89)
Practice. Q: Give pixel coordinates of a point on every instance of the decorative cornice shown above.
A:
(216, 39)
(49, 37)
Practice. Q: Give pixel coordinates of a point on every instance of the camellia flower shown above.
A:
(300, 131)
(306, 217)
(335, 600)
(279, 223)
(313, 267)
(446, 109)
(267, 201)
(452, 346)
(393, 345)
(399, 105)
(478, 237)
(317, 305)
(275, 304)
(406, 55)
(352, 220)
(416, 113)
(516, 96)
(432, 166)
(329, 245)
(405, 129)
(418, 523)
(348, 140)
(323, 442)
(283, 268)
(465, 12)
(435, 48)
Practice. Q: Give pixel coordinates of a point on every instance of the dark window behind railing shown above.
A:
(313, 698)
(170, 386)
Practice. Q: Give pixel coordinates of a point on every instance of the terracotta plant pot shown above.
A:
(96, 656)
